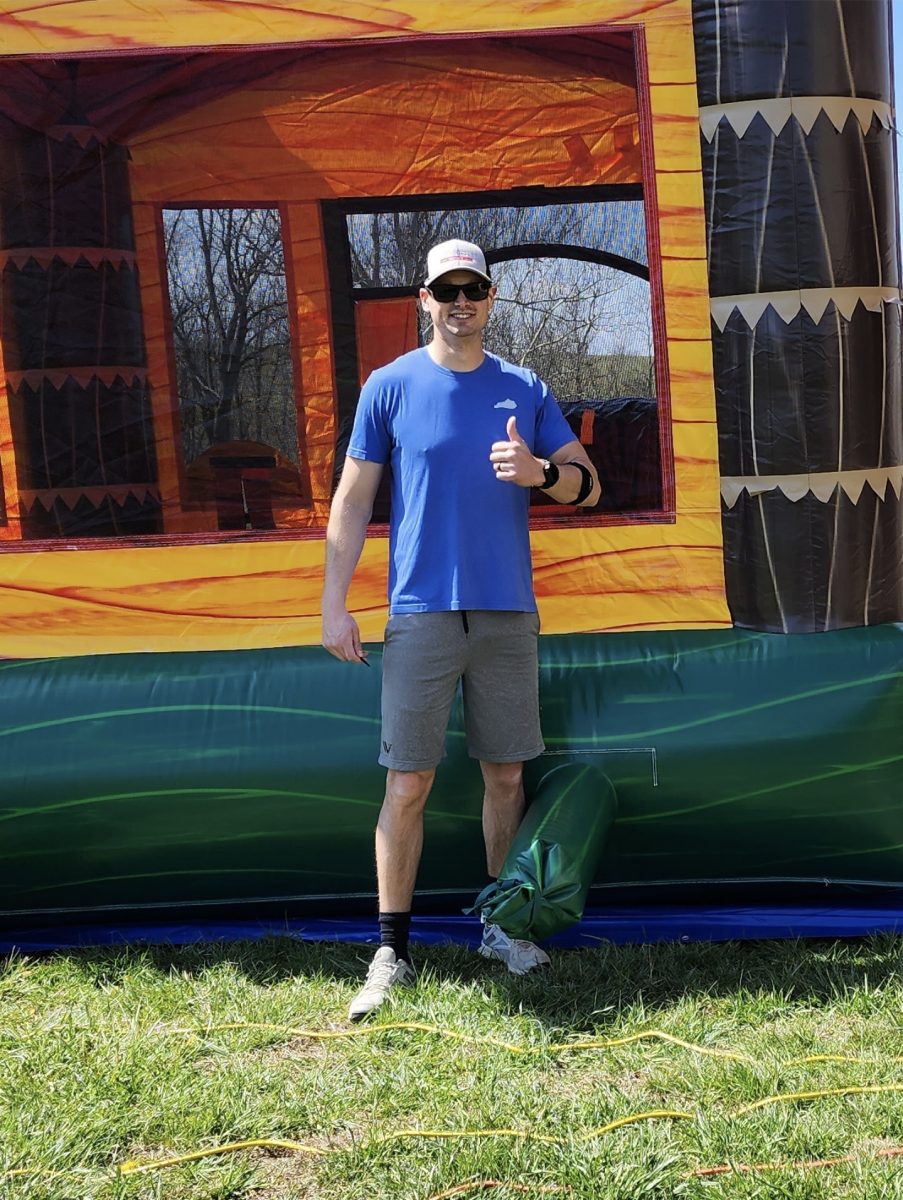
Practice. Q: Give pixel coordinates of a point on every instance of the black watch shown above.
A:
(550, 474)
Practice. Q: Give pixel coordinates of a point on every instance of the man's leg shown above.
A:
(399, 837)
(399, 841)
(501, 713)
(503, 809)
(421, 663)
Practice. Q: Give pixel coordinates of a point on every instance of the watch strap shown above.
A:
(550, 474)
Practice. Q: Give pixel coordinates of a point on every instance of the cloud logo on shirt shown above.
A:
(506, 404)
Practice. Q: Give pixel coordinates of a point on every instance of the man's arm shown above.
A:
(514, 463)
(570, 480)
(351, 508)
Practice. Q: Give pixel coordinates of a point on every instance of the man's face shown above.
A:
(459, 318)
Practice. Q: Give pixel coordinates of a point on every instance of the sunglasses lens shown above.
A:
(477, 291)
(446, 292)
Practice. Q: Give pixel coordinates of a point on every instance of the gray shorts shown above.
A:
(494, 654)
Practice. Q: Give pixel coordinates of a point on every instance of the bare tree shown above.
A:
(583, 327)
(390, 249)
(226, 275)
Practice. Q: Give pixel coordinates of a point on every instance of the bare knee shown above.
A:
(503, 778)
(407, 791)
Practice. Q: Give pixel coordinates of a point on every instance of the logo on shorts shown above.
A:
(506, 404)
(387, 746)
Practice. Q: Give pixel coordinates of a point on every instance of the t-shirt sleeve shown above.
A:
(370, 436)
(552, 430)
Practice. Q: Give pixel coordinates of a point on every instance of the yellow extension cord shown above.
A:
(135, 1167)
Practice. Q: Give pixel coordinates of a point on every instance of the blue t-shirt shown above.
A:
(458, 537)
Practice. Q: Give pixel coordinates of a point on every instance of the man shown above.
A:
(466, 436)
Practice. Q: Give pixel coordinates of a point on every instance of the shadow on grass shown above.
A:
(586, 990)
(583, 990)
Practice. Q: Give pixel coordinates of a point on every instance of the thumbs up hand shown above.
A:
(512, 460)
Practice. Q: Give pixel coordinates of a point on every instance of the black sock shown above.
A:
(394, 928)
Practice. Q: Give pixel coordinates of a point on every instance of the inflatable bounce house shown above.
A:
(213, 221)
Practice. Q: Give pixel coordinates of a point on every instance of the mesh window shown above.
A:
(226, 274)
(389, 249)
(573, 305)
(582, 327)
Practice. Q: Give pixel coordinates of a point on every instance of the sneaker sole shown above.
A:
(354, 1017)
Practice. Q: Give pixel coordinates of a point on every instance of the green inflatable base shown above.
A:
(230, 777)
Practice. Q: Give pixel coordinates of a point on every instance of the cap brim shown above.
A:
(479, 274)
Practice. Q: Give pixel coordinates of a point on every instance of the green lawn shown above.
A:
(113, 1057)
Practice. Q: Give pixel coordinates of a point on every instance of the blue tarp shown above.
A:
(621, 925)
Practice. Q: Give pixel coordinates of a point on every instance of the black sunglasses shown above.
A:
(446, 292)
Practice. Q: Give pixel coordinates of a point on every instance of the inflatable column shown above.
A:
(73, 342)
(798, 156)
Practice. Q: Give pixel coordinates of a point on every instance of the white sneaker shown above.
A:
(384, 973)
(519, 957)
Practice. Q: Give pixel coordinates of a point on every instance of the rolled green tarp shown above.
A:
(543, 884)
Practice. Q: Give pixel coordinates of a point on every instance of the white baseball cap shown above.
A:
(455, 256)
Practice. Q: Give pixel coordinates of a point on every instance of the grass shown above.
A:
(112, 1056)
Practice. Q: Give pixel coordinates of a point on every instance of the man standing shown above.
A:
(465, 435)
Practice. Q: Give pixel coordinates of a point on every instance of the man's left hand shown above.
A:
(513, 461)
